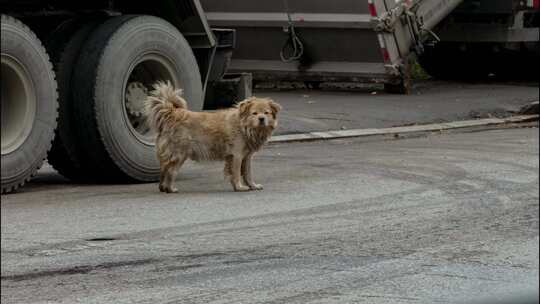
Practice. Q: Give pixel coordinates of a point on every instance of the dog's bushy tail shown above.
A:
(162, 103)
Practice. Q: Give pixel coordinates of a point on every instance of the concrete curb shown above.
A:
(397, 130)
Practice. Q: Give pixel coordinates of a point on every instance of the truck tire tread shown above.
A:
(65, 154)
(105, 159)
(13, 184)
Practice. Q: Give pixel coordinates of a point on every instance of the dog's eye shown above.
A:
(254, 113)
(266, 112)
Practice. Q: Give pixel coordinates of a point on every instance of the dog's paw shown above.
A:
(171, 190)
(241, 188)
(166, 189)
(256, 187)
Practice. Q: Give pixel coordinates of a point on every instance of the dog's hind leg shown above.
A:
(164, 165)
(246, 173)
(168, 174)
(164, 176)
(227, 170)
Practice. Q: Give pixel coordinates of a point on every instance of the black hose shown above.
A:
(293, 49)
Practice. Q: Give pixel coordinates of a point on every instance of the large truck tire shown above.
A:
(29, 103)
(65, 153)
(117, 66)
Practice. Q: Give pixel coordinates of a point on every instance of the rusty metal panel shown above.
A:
(337, 36)
(354, 39)
(277, 6)
(321, 44)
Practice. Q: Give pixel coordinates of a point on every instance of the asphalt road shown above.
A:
(441, 219)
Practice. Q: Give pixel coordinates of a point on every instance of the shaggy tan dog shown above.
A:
(231, 135)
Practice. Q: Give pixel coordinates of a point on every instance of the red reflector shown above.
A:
(385, 54)
(373, 11)
(536, 4)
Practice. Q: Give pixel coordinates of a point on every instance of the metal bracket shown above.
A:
(393, 69)
(387, 20)
(406, 13)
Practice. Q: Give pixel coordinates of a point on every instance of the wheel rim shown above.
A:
(18, 104)
(142, 75)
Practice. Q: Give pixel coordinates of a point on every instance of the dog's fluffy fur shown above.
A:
(231, 135)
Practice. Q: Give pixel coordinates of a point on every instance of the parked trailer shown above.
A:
(75, 74)
(376, 40)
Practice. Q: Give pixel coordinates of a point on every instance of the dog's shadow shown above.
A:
(187, 183)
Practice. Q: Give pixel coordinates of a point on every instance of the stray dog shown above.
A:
(231, 135)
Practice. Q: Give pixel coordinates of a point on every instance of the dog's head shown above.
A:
(259, 113)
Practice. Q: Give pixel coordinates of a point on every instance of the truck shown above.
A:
(380, 41)
(75, 75)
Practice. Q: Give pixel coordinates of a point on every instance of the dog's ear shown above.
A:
(274, 106)
(243, 107)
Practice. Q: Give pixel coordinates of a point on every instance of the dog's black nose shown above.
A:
(261, 119)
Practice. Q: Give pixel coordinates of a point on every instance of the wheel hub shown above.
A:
(136, 93)
(18, 104)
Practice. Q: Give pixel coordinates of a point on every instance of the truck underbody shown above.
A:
(352, 41)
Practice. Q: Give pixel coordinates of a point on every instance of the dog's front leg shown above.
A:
(246, 173)
(236, 178)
